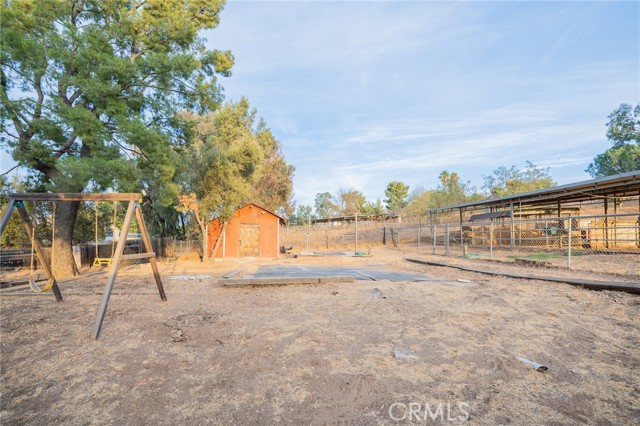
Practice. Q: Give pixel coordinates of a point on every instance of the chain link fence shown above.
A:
(17, 259)
(601, 243)
(342, 235)
(598, 243)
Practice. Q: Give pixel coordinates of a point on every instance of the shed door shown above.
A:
(249, 233)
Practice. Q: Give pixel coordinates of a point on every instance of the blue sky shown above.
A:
(363, 93)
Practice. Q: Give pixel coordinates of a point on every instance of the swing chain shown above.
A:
(32, 282)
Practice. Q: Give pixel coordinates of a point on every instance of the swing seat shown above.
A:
(102, 261)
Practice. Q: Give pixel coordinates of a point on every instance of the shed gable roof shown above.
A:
(282, 220)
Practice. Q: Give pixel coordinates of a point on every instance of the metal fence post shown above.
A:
(309, 236)
(546, 234)
(434, 236)
(356, 235)
(419, 232)
(491, 240)
(569, 244)
(446, 238)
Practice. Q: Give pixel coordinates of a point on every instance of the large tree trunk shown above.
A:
(64, 264)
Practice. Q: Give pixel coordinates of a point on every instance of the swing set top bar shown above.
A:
(112, 196)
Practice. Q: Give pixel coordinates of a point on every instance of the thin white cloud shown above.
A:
(364, 93)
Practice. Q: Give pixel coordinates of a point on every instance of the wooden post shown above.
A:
(16, 202)
(6, 215)
(147, 246)
(42, 256)
(115, 264)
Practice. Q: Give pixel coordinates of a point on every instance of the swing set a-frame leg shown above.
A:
(42, 255)
(118, 257)
(149, 249)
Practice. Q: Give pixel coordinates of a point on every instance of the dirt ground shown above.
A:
(321, 354)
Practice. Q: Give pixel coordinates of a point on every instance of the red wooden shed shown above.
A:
(252, 232)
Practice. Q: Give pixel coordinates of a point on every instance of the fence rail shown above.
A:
(600, 243)
(86, 253)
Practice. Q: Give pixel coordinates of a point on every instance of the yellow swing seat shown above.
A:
(102, 261)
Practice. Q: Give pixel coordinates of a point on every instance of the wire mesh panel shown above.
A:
(601, 243)
(595, 243)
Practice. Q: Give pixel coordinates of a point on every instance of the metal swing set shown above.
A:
(16, 202)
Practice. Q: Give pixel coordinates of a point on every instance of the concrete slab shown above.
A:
(245, 281)
(280, 271)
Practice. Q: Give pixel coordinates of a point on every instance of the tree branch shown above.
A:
(7, 104)
(10, 170)
(65, 148)
(37, 111)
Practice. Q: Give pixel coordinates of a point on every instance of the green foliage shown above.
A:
(232, 161)
(373, 208)
(511, 181)
(325, 205)
(89, 90)
(42, 214)
(274, 187)
(15, 235)
(350, 201)
(397, 194)
(623, 131)
(419, 202)
(450, 192)
(301, 216)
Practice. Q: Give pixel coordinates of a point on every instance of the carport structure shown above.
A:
(552, 201)
(597, 214)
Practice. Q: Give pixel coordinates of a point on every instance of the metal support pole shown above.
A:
(309, 234)
(491, 241)
(356, 236)
(461, 233)
(419, 236)
(434, 236)
(446, 237)
(512, 233)
(569, 244)
(606, 223)
(546, 234)
(115, 264)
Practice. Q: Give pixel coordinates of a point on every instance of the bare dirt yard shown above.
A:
(361, 353)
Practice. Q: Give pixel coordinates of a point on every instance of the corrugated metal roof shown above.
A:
(492, 215)
(622, 185)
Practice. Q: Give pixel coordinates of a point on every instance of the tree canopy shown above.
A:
(623, 131)
(511, 181)
(232, 159)
(301, 215)
(350, 201)
(325, 206)
(89, 91)
(397, 194)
